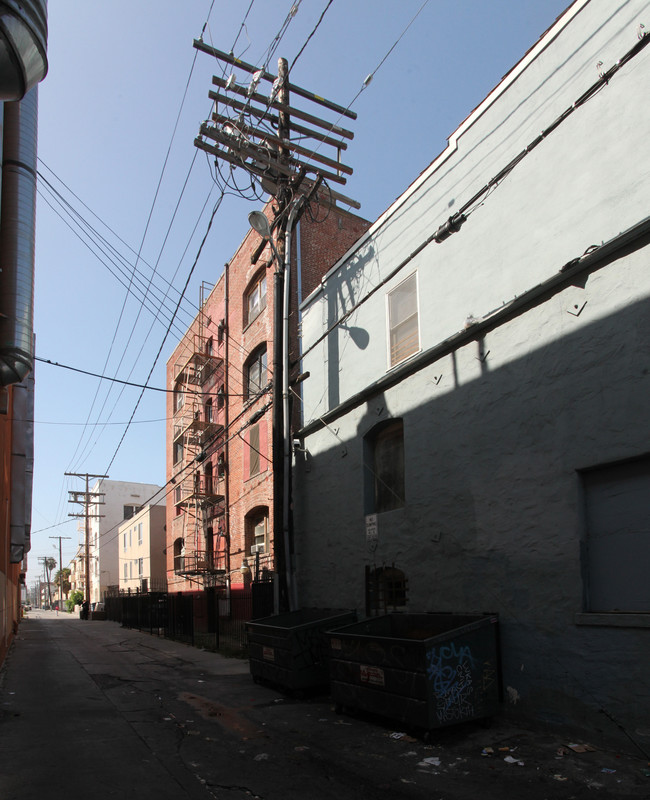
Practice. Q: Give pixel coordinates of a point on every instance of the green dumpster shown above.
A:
(424, 670)
(291, 650)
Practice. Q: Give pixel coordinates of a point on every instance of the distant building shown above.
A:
(23, 63)
(476, 432)
(120, 501)
(142, 558)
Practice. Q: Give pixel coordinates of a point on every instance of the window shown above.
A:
(179, 397)
(178, 452)
(139, 533)
(256, 531)
(617, 551)
(254, 450)
(126, 571)
(255, 301)
(124, 542)
(384, 467)
(403, 320)
(129, 511)
(179, 555)
(385, 590)
(208, 411)
(209, 346)
(140, 567)
(256, 372)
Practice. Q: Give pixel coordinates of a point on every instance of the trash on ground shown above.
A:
(559, 778)
(487, 751)
(432, 761)
(513, 760)
(581, 748)
(404, 737)
(608, 770)
(261, 757)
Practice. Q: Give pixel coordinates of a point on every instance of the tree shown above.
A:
(62, 579)
(76, 598)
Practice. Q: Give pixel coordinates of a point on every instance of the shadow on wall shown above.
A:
(492, 513)
(353, 278)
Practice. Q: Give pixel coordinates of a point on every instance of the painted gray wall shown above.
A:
(493, 520)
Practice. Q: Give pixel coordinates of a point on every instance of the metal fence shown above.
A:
(213, 618)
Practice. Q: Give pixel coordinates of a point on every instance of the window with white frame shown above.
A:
(126, 571)
(255, 298)
(140, 567)
(139, 533)
(124, 542)
(403, 327)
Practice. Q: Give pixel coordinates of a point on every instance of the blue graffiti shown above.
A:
(443, 662)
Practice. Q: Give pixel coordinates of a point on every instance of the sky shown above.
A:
(125, 197)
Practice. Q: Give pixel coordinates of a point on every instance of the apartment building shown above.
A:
(219, 436)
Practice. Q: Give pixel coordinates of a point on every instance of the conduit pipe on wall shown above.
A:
(17, 233)
(22, 468)
(286, 422)
(23, 43)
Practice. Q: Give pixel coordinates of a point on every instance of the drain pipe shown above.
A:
(286, 422)
(17, 234)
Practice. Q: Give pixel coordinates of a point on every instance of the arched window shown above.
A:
(208, 410)
(179, 555)
(255, 372)
(384, 467)
(256, 531)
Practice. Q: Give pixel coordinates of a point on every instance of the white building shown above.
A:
(120, 501)
(142, 559)
(476, 431)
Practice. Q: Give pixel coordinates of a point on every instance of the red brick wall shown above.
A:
(321, 244)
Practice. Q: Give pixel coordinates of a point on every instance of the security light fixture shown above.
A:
(260, 223)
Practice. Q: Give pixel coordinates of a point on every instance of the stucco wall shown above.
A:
(498, 428)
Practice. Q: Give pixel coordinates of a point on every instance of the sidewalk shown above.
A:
(89, 707)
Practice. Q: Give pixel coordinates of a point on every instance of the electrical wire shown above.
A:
(300, 52)
(191, 272)
(129, 383)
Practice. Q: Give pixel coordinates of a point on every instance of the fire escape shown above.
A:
(199, 529)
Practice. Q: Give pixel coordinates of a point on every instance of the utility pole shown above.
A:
(46, 575)
(253, 131)
(60, 570)
(86, 499)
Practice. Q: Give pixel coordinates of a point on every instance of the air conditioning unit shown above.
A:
(257, 548)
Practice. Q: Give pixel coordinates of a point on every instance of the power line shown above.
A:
(293, 63)
(162, 344)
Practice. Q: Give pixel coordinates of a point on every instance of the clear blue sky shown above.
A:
(118, 72)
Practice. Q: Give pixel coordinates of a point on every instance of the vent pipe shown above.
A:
(17, 224)
(23, 43)
(22, 468)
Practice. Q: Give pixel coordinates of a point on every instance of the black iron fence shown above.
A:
(213, 618)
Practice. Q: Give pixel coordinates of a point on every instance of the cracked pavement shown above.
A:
(89, 707)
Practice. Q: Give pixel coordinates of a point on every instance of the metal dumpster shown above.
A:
(424, 670)
(291, 650)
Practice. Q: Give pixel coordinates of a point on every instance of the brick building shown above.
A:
(219, 446)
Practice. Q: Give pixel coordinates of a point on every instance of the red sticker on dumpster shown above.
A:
(372, 675)
(268, 653)
(336, 644)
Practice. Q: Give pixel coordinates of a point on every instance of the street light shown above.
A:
(260, 223)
